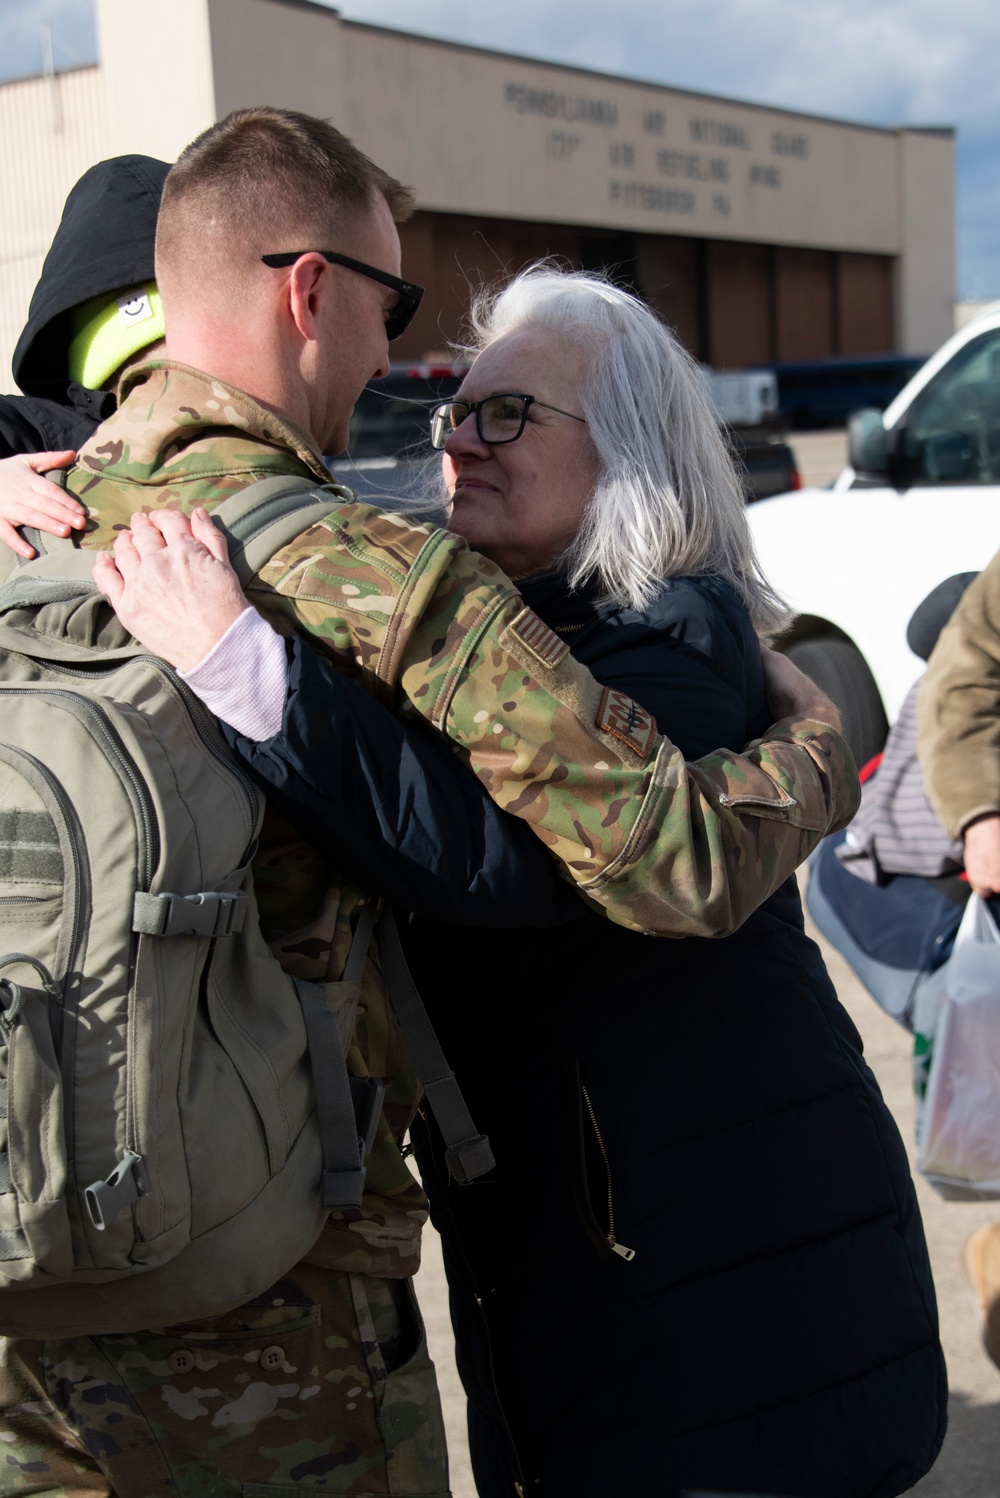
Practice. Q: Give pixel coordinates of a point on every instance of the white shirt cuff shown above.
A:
(244, 677)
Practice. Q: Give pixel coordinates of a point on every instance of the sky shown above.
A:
(880, 62)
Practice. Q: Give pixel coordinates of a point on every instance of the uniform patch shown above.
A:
(535, 635)
(624, 719)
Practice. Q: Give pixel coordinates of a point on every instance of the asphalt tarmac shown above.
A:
(819, 456)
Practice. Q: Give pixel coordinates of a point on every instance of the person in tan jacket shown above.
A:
(959, 749)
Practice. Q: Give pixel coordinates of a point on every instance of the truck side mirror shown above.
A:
(867, 447)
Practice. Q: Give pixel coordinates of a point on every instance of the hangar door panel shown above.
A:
(864, 304)
(740, 312)
(804, 304)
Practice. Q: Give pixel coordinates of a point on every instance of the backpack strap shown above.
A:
(57, 573)
(257, 522)
(51, 579)
(265, 516)
(44, 543)
(60, 571)
(11, 562)
(467, 1152)
(347, 1108)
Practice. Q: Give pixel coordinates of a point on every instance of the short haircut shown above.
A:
(266, 175)
(668, 501)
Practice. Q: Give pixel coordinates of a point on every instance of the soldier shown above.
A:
(324, 1380)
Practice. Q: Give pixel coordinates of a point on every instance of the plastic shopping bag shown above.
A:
(957, 1024)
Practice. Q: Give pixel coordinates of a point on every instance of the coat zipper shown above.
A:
(628, 1254)
(783, 802)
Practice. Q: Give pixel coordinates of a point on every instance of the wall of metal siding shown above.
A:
(53, 129)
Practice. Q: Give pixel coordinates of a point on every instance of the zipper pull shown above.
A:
(628, 1254)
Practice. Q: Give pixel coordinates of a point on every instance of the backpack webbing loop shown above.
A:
(347, 1108)
(467, 1152)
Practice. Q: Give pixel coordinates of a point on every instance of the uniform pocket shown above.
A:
(288, 1394)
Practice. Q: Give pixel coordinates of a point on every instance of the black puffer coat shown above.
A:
(104, 243)
(706, 1106)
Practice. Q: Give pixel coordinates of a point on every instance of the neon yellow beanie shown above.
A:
(108, 330)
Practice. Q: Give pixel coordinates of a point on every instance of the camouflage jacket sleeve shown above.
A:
(664, 846)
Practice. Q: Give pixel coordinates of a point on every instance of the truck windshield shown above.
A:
(952, 433)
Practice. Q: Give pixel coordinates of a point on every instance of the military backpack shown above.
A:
(164, 1154)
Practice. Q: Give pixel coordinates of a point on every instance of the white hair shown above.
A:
(668, 502)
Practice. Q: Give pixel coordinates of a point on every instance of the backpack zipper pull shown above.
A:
(619, 1248)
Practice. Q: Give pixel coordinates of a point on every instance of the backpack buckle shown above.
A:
(469, 1159)
(210, 913)
(125, 1185)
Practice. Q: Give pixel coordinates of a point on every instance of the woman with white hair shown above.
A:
(698, 1265)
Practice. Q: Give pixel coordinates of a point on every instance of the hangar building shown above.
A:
(761, 235)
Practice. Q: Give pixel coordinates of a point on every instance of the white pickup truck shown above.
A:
(919, 502)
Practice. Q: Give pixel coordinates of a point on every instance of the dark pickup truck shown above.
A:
(765, 460)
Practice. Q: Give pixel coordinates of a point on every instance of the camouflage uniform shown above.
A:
(672, 849)
(288, 1393)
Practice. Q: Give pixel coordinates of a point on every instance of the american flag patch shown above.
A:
(625, 720)
(535, 635)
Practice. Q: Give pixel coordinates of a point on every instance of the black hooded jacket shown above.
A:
(104, 243)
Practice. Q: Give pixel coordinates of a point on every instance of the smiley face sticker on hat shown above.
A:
(135, 306)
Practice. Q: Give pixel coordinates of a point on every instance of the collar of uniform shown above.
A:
(164, 407)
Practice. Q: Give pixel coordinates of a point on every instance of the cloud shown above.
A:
(884, 62)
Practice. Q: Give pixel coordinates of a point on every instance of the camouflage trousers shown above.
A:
(321, 1384)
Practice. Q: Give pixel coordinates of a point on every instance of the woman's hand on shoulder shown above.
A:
(170, 582)
(793, 694)
(28, 498)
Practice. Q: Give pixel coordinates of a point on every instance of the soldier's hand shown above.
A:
(170, 583)
(982, 855)
(27, 498)
(792, 694)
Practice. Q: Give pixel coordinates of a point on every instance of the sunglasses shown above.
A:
(407, 294)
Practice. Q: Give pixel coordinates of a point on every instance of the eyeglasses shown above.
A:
(408, 295)
(499, 418)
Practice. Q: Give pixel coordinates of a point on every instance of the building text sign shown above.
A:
(506, 138)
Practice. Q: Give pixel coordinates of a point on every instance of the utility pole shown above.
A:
(49, 70)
